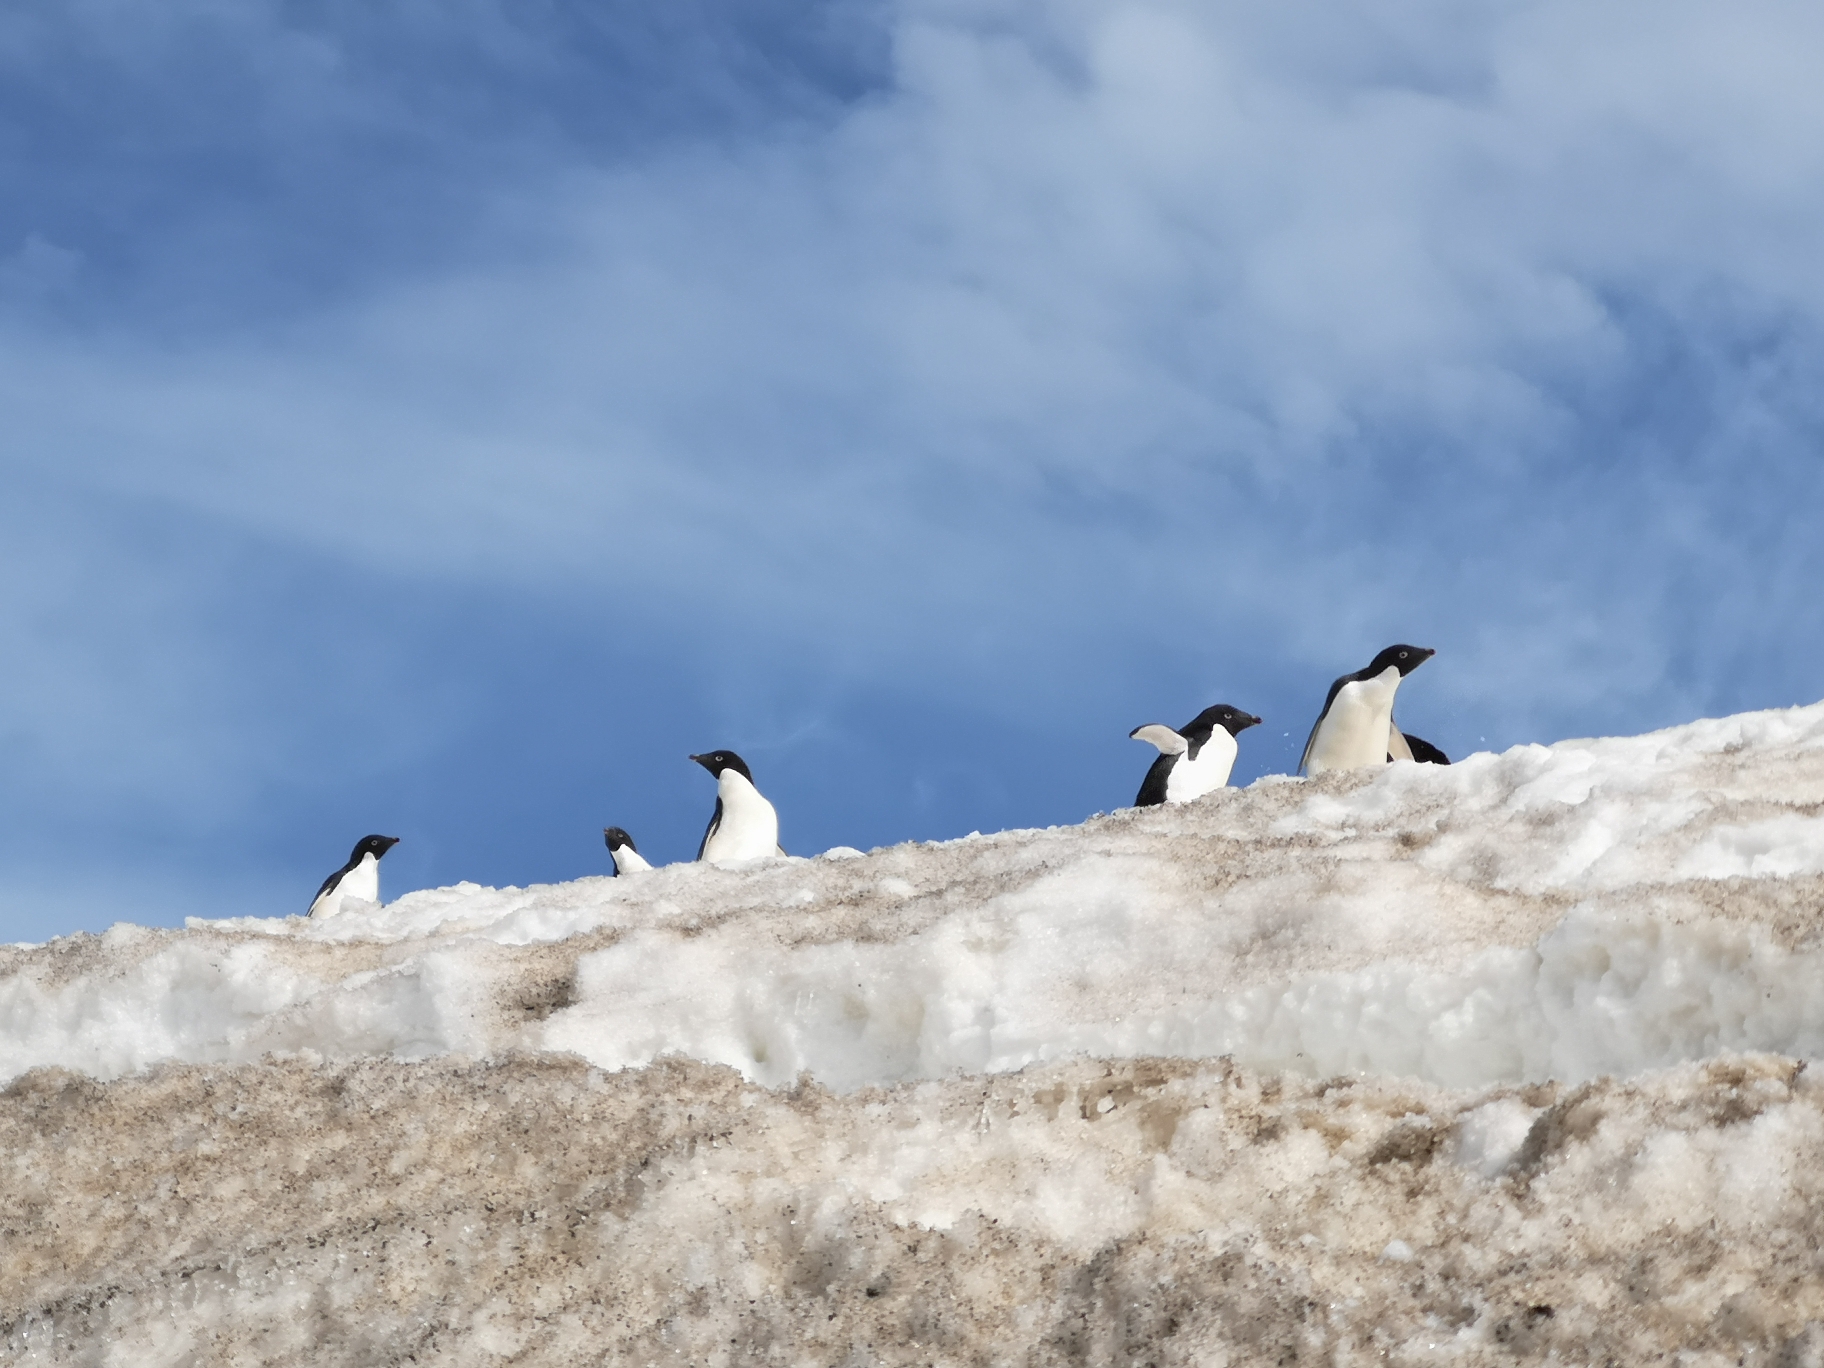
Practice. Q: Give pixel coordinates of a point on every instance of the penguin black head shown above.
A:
(717, 761)
(614, 838)
(1405, 659)
(1232, 720)
(372, 845)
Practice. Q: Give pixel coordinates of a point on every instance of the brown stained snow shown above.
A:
(537, 1211)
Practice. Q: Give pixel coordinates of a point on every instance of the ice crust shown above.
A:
(1504, 1062)
(1563, 912)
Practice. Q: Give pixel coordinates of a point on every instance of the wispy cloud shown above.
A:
(1017, 362)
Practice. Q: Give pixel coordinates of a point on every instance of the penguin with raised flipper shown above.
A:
(1355, 728)
(744, 825)
(626, 856)
(359, 878)
(1194, 759)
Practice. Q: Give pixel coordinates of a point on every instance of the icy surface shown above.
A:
(1559, 912)
(1502, 1061)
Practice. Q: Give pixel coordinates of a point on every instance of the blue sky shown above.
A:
(438, 420)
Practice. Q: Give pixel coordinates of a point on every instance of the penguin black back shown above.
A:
(1152, 788)
(1424, 752)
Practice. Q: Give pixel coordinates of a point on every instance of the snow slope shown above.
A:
(1498, 1063)
(1560, 912)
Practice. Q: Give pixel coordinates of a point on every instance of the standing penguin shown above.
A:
(1355, 728)
(359, 878)
(1195, 759)
(744, 825)
(627, 859)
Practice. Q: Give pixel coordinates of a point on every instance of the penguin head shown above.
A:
(373, 845)
(1405, 659)
(617, 839)
(1232, 720)
(717, 761)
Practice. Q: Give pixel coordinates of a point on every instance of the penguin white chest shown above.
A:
(363, 882)
(1192, 778)
(627, 860)
(749, 828)
(1354, 732)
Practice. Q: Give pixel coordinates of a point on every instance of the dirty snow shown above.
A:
(1502, 1061)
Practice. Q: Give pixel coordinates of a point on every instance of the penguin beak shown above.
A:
(702, 760)
(1252, 722)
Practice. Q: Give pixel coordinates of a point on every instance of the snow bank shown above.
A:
(1563, 912)
(1501, 1062)
(538, 1211)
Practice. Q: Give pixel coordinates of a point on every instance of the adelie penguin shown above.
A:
(359, 878)
(744, 825)
(1193, 760)
(1356, 729)
(627, 859)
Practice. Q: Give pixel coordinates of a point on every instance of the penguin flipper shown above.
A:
(1152, 788)
(715, 820)
(1158, 734)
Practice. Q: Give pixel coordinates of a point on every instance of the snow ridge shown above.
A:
(1564, 912)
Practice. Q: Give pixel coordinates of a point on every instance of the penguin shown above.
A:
(627, 858)
(1193, 760)
(1355, 728)
(359, 878)
(1415, 748)
(744, 825)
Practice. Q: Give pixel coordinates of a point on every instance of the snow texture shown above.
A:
(540, 1211)
(1497, 1061)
